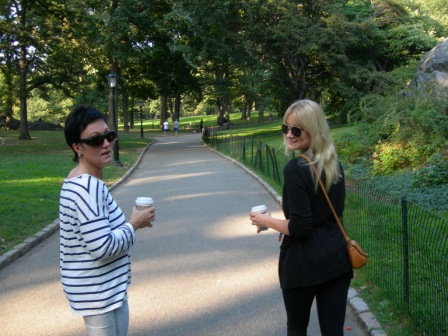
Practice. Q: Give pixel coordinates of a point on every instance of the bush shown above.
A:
(353, 146)
(434, 173)
(389, 158)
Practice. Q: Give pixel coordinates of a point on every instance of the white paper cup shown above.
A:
(143, 202)
(260, 209)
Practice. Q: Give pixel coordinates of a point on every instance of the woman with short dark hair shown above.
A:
(95, 237)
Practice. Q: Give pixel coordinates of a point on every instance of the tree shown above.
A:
(8, 94)
(208, 34)
(293, 41)
(230, 53)
(44, 42)
(140, 41)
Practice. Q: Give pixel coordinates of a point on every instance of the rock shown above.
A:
(433, 70)
(43, 126)
(9, 123)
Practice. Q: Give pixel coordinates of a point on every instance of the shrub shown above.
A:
(433, 173)
(389, 158)
(354, 146)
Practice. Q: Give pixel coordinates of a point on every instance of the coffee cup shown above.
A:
(143, 202)
(260, 209)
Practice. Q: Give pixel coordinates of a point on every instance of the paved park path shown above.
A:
(200, 271)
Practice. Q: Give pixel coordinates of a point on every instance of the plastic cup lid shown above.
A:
(259, 208)
(144, 201)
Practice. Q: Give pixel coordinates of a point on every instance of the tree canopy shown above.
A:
(231, 54)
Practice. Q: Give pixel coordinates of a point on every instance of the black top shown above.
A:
(315, 251)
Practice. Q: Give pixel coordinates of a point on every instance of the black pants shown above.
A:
(331, 300)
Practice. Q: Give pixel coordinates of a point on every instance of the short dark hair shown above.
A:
(77, 121)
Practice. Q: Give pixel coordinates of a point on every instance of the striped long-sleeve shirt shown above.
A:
(95, 239)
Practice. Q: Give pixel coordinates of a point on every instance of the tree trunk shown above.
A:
(124, 104)
(220, 109)
(9, 99)
(163, 109)
(132, 118)
(23, 68)
(177, 107)
(261, 114)
(170, 108)
(244, 113)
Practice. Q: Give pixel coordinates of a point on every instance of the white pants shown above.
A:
(113, 323)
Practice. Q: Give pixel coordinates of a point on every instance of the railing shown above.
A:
(251, 152)
(407, 244)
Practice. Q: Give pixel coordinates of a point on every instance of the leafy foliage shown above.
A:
(355, 57)
(435, 172)
(392, 157)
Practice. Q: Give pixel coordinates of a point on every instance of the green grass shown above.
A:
(208, 121)
(32, 171)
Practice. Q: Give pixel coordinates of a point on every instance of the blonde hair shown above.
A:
(309, 116)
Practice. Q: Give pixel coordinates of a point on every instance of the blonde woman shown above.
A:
(313, 261)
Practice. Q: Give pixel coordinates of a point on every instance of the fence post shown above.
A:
(244, 149)
(275, 166)
(252, 149)
(405, 231)
(268, 152)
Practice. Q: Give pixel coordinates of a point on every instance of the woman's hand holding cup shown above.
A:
(143, 213)
(257, 215)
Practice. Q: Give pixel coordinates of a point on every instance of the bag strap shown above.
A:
(347, 238)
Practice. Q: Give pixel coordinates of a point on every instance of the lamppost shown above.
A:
(140, 103)
(113, 119)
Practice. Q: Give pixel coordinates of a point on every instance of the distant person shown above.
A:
(95, 237)
(166, 127)
(201, 125)
(226, 123)
(313, 261)
(176, 126)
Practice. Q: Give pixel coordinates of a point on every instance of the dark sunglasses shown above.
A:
(296, 131)
(98, 140)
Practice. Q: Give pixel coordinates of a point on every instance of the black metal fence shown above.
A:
(407, 244)
(250, 151)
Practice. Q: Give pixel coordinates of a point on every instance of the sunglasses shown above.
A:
(296, 131)
(98, 140)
